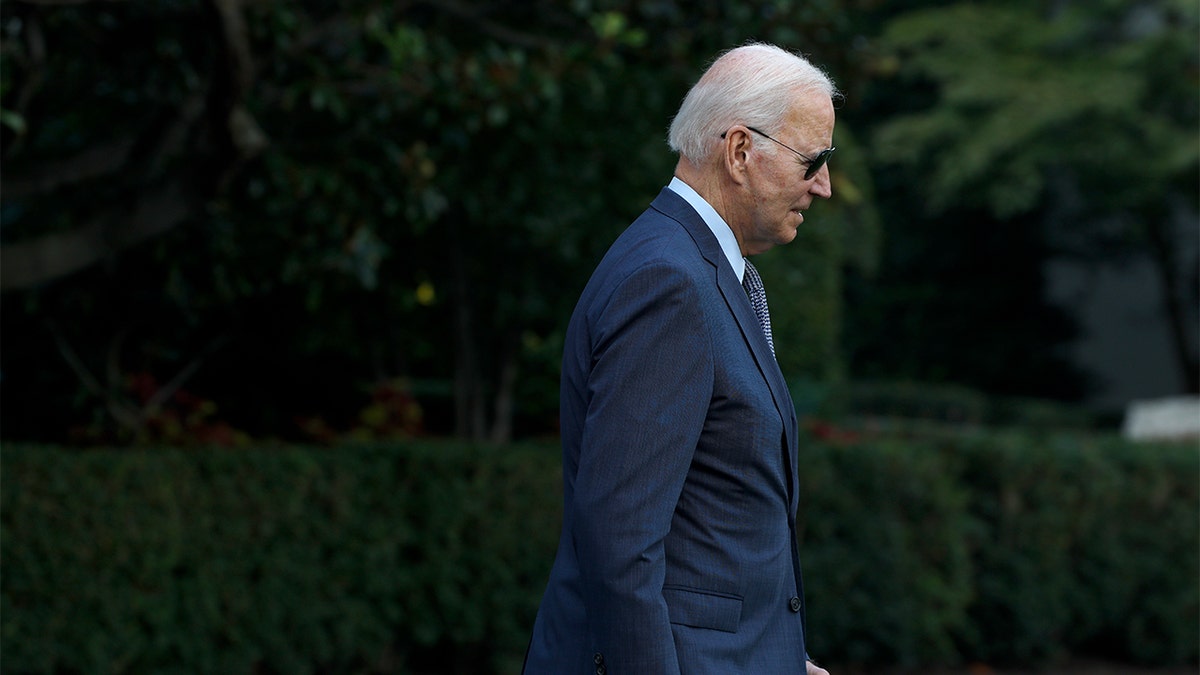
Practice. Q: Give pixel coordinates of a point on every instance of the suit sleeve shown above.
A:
(648, 395)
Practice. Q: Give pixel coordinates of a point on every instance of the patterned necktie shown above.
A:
(758, 298)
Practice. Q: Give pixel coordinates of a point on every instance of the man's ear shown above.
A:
(736, 152)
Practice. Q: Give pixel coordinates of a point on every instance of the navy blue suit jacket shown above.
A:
(678, 551)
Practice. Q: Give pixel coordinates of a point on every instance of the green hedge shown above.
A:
(1091, 547)
(430, 558)
(346, 560)
(1003, 547)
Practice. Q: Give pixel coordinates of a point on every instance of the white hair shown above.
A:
(755, 84)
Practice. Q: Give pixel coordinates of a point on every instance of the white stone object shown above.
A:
(1175, 418)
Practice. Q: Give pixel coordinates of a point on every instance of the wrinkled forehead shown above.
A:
(810, 120)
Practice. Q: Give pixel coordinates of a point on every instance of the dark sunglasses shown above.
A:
(814, 163)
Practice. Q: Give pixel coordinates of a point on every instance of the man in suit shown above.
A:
(678, 549)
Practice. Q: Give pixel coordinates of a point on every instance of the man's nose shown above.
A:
(822, 185)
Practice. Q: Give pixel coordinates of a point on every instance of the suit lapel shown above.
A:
(739, 305)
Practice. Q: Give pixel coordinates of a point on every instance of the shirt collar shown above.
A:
(715, 222)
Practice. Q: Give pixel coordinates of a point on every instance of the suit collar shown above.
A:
(677, 208)
(715, 222)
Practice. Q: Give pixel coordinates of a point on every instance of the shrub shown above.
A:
(431, 557)
(1084, 545)
(887, 573)
(350, 560)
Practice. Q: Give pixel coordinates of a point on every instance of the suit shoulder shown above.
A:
(654, 238)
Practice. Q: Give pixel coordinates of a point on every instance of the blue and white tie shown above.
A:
(758, 298)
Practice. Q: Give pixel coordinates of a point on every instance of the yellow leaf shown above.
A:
(425, 294)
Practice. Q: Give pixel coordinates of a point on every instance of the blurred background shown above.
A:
(234, 230)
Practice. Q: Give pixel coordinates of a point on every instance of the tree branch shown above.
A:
(35, 65)
(237, 46)
(100, 160)
(26, 264)
(244, 134)
(122, 412)
(165, 392)
(53, 3)
(499, 31)
(231, 135)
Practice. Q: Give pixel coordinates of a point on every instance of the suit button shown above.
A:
(598, 658)
(600, 669)
(794, 603)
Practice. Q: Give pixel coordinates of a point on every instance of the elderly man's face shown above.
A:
(776, 183)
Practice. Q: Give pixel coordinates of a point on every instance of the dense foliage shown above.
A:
(405, 196)
(226, 220)
(1004, 135)
(420, 558)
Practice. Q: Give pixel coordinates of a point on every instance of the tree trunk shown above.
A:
(468, 408)
(506, 384)
(1162, 251)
